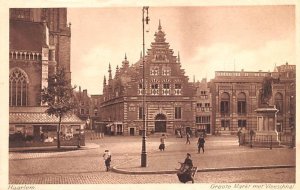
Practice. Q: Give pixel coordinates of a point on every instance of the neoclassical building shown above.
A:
(236, 97)
(169, 103)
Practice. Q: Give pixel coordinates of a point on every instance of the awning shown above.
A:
(109, 125)
(39, 116)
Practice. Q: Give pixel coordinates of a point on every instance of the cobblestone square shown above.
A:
(86, 166)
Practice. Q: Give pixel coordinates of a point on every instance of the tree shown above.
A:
(59, 97)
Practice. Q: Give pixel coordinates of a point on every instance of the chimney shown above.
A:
(85, 93)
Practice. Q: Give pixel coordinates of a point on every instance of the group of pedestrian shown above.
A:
(186, 171)
(200, 143)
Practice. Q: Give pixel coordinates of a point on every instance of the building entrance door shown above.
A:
(208, 128)
(160, 123)
(131, 131)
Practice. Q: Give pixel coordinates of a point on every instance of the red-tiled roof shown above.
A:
(26, 36)
(43, 118)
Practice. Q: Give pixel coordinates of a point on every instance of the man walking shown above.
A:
(201, 142)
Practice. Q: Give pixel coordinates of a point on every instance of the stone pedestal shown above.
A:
(266, 126)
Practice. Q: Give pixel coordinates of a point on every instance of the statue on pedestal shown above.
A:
(266, 91)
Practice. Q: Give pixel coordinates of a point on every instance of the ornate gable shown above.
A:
(160, 51)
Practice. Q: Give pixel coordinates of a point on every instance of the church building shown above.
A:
(39, 41)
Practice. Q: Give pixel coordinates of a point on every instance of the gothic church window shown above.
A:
(18, 88)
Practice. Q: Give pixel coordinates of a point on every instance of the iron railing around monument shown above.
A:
(267, 140)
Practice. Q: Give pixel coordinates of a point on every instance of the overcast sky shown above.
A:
(209, 39)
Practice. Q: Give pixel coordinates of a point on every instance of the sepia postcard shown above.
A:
(147, 94)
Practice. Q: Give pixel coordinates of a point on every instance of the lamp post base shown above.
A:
(144, 159)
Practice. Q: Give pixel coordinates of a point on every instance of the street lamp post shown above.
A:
(144, 153)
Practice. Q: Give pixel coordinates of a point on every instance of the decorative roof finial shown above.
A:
(125, 57)
(159, 25)
(104, 81)
(109, 72)
(178, 58)
(117, 71)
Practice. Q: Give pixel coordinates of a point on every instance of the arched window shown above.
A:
(279, 102)
(225, 100)
(18, 87)
(241, 103)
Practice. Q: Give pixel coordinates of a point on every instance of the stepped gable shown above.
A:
(161, 54)
(160, 51)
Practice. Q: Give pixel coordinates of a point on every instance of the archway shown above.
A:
(160, 123)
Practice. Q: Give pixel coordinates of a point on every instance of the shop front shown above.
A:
(40, 129)
(114, 128)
